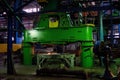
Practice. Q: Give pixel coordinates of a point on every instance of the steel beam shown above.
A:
(7, 6)
(18, 35)
(22, 6)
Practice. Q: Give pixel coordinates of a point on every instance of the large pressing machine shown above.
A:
(58, 28)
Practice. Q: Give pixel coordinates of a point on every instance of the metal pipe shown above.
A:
(101, 27)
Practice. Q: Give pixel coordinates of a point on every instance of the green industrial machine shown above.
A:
(59, 28)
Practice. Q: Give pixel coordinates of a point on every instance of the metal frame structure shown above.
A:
(11, 12)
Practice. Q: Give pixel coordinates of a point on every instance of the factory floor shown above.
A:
(29, 72)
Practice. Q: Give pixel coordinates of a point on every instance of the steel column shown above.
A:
(111, 24)
(10, 66)
(101, 27)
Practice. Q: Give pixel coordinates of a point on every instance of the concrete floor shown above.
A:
(29, 72)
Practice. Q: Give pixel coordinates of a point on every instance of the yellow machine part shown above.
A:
(3, 47)
(53, 24)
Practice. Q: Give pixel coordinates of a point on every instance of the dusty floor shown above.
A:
(29, 72)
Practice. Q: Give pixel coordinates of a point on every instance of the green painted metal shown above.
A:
(43, 23)
(51, 6)
(73, 34)
(115, 13)
(55, 61)
(27, 53)
(87, 54)
(61, 32)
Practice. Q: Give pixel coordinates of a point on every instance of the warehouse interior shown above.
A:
(60, 38)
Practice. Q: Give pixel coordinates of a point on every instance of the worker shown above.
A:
(104, 54)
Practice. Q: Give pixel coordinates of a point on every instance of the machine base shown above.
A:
(62, 73)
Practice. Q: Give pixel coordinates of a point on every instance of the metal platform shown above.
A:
(55, 61)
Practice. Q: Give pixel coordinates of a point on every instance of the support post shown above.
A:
(10, 65)
(87, 49)
(27, 53)
(101, 27)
